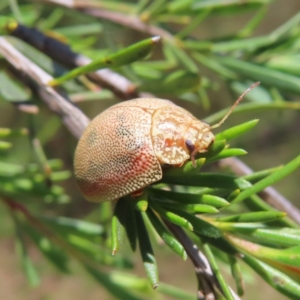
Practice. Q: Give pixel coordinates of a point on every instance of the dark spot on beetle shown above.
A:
(108, 61)
(190, 146)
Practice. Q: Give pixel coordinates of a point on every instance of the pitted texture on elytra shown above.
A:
(115, 156)
(147, 104)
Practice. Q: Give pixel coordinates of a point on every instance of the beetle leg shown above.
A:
(193, 154)
(193, 151)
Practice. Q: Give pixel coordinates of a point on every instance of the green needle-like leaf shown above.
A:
(5, 145)
(117, 225)
(217, 273)
(221, 244)
(261, 216)
(141, 202)
(8, 132)
(200, 226)
(246, 107)
(50, 251)
(191, 208)
(97, 254)
(266, 75)
(275, 278)
(74, 226)
(105, 280)
(28, 267)
(212, 180)
(237, 227)
(256, 176)
(270, 180)
(175, 293)
(134, 283)
(162, 196)
(287, 260)
(233, 195)
(115, 235)
(167, 237)
(206, 60)
(176, 83)
(12, 90)
(123, 57)
(213, 150)
(130, 224)
(227, 153)
(183, 58)
(255, 203)
(237, 274)
(236, 131)
(146, 251)
(284, 237)
(171, 216)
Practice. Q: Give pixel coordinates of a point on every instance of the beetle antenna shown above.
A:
(235, 104)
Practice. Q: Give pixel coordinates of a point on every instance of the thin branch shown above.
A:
(130, 21)
(270, 195)
(74, 119)
(207, 282)
(203, 270)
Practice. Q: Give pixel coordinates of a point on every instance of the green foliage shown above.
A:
(222, 212)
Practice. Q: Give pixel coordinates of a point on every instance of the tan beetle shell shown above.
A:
(123, 148)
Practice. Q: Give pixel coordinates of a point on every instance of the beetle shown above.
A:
(123, 149)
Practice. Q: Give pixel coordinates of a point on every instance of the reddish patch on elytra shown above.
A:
(137, 193)
(91, 189)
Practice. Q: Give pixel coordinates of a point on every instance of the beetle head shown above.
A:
(198, 138)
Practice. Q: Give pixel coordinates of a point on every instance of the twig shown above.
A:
(72, 117)
(132, 22)
(270, 195)
(129, 21)
(203, 270)
(206, 279)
